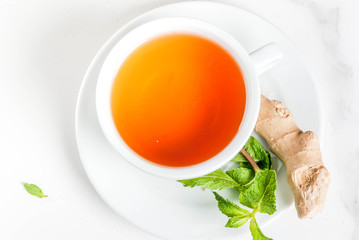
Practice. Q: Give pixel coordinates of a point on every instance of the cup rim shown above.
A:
(165, 26)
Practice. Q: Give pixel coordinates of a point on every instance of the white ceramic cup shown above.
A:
(250, 65)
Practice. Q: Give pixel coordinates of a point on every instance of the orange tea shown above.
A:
(178, 100)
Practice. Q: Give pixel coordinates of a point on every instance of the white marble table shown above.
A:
(45, 48)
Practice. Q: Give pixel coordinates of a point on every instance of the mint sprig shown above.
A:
(34, 190)
(253, 179)
(260, 196)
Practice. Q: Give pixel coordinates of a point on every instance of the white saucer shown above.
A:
(164, 207)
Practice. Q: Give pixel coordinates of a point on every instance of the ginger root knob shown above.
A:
(300, 152)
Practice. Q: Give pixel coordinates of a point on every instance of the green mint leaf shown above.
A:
(34, 190)
(242, 160)
(241, 175)
(261, 193)
(245, 165)
(237, 221)
(229, 208)
(256, 232)
(266, 163)
(216, 180)
(238, 216)
(239, 158)
(257, 152)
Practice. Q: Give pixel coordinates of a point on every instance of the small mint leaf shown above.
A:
(34, 190)
(256, 232)
(216, 180)
(242, 176)
(261, 156)
(237, 221)
(229, 208)
(239, 158)
(261, 193)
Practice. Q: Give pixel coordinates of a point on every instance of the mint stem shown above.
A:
(254, 212)
(250, 160)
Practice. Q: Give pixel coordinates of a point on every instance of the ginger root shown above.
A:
(300, 152)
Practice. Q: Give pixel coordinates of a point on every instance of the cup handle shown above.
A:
(266, 57)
